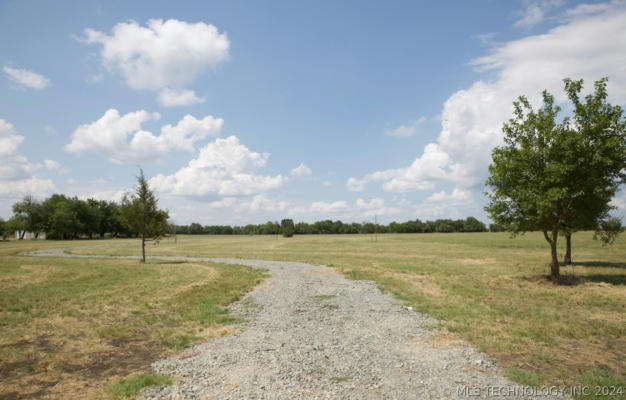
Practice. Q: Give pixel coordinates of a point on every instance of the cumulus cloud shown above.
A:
(301, 170)
(164, 56)
(26, 78)
(224, 167)
(472, 118)
(421, 175)
(16, 172)
(121, 137)
(406, 130)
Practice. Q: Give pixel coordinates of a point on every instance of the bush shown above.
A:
(287, 227)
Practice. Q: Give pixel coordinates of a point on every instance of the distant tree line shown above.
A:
(469, 224)
(63, 217)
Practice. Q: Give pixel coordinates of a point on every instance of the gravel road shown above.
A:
(312, 334)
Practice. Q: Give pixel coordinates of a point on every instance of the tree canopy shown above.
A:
(558, 177)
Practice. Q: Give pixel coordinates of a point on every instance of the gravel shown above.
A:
(312, 334)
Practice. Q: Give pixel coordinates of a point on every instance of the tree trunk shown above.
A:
(568, 249)
(22, 233)
(554, 265)
(143, 248)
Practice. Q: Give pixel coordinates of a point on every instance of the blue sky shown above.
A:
(241, 112)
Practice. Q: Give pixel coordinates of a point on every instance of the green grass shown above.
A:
(70, 325)
(340, 379)
(323, 297)
(133, 385)
(487, 288)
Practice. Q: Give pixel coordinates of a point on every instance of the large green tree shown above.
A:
(558, 177)
(141, 215)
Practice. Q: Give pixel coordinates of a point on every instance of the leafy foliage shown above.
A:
(558, 177)
(287, 227)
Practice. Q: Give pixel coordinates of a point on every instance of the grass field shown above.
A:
(89, 328)
(486, 288)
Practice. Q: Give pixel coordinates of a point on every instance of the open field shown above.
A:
(486, 288)
(77, 328)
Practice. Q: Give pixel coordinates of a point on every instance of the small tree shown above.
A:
(141, 215)
(287, 227)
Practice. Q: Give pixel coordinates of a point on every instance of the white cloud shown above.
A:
(27, 78)
(472, 118)
(16, 172)
(589, 9)
(301, 170)
(323, 208)
(54, 166)
(375, 207)
(420, 175)
(121, 138)
(224, 167)
(182, 97)
(260, 202)
(163, 56)
(343, 210)
(446, 205)
(535, 12)
(456, 196)
(225, 202)
(94, 78)
(406, 130)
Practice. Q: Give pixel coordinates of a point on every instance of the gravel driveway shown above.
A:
(312, 334)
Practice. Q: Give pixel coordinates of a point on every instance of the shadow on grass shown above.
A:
(600, 264)
(567, 279)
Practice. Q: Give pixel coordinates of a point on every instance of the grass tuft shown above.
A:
(132, 386)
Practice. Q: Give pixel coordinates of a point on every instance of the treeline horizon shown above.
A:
(63, 217)
(327, 226)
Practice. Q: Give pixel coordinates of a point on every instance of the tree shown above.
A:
(600, 162)
(287, 227)
(3, 229)
(543, 179)
(61, 217)
(141, 215)
(30, 212)
(471, 224)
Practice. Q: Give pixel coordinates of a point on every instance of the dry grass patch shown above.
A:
(72, 327)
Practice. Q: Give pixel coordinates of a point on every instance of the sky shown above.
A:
(243, 112)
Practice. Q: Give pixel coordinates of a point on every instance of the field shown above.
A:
(89, 328)
(486, 288)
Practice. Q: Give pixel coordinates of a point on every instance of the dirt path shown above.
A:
(312, 334)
